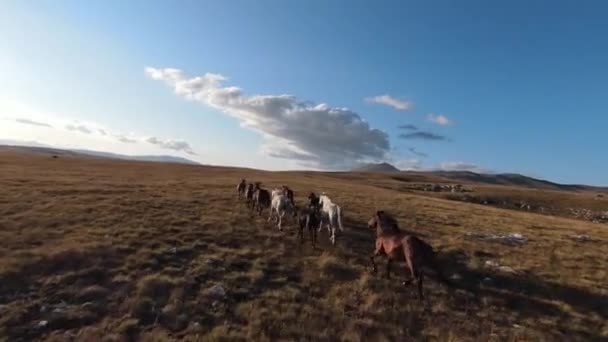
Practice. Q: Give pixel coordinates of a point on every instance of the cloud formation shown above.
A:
(463, 166)
(124, 139)
(391, 102)
(409, 127)
(440, 119)
(418, 153)
(79, 128)
(312, 134)
(32, 122)
(176, 145)
(409, 165)
(421, 135)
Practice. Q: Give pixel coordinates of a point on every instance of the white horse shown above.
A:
(331, 214)
(281, 205)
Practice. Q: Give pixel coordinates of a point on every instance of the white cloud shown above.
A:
(125, 139)
(463, 166)
(409, 165)
(440, 119)
(312, 134)
(391, 102)
(176, 145)
(79, 127)
(32, 122)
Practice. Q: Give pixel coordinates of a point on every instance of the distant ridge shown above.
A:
(380, 167)
(509, 179)
(46, 149)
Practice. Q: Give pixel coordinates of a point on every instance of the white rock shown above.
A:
(491, 263)
(217, 290)
(43, 324)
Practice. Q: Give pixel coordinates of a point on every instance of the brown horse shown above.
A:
(289, 193)
(398, 245)
(309, 218)
(249, 194)
(241, 188)
(261, 200)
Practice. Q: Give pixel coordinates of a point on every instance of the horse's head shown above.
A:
(257, 184)
(383, 223)
(375, 219)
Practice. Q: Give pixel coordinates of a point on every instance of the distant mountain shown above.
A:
(380, 167)
(159, 158)
(34, 147)
(509, 179)
(9, 142)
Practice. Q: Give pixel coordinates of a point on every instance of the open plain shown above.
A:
(93, 249)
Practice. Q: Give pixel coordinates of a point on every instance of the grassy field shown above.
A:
(102, 250)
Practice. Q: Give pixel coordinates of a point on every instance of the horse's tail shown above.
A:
(339, 212)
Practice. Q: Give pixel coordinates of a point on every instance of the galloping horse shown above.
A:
(261, 200)
(289, 193)
(281, 205)
(313, 200)
(241, 188)
(249, 194)
(309, 218)
(398, 245)
(331, 214)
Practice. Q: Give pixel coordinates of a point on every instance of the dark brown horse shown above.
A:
(249, 195)
(398, 245)
(261, 200)
(313, 201)
(289, 193)
(241, 188)
(309, 218)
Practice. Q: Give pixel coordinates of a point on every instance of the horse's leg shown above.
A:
(389, 260)
(371, 258)
(410, 264)
(420, 279)
(280, 221)
(301, 231)
(333, 235)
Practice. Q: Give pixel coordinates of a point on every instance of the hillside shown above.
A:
(380, 167)
(102, 249)
(511, 179)
(46, 150)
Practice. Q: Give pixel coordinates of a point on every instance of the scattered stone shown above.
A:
(512, 238)
(174, 250)
(581, 238)
(487, 280)
(87, 305)
(491, 263)
(456, 276)
(43, 324)
(217, 291)
(507, 269)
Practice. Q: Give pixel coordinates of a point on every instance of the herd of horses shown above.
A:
(391, 241)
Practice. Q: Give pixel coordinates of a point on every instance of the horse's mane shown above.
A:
(386, 220)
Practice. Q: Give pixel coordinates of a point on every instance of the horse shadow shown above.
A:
(526, 294)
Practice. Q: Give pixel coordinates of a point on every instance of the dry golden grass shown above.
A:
(118, 251)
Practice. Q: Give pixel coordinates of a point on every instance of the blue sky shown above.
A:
(516, 86)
